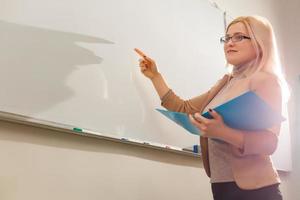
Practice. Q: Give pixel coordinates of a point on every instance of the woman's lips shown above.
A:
(231, 51)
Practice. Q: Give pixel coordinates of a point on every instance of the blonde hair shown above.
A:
(264, 43)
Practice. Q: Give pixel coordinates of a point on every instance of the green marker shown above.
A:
(77, 129)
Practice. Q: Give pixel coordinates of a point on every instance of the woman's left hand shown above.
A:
(211, 128)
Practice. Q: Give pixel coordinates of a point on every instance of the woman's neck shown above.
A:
(239, 70)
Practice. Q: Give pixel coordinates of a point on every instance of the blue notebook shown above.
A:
(246, 112)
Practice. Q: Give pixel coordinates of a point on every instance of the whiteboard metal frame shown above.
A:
(44, 124)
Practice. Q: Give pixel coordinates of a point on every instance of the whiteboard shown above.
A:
(72, 62)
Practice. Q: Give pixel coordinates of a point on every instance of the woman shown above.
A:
(240, 167)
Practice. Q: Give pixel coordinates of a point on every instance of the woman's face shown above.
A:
(240, 52)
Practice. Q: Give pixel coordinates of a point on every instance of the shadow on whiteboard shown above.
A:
(35, 64)
(75, 79)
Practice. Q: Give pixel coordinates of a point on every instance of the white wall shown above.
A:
(42, 164)
(288, 15)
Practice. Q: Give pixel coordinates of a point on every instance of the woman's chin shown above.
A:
(233, 62)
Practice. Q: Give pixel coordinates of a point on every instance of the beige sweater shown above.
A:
(252, 168)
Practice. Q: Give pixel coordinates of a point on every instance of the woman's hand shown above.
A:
(147, 65)
(216, 128)
(212, 128)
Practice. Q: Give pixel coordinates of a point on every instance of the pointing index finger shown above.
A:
(140, 52)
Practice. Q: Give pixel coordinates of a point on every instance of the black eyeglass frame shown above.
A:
(234, 38)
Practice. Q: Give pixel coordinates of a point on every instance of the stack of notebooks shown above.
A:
(245, 112)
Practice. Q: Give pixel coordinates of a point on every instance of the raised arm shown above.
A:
(149, 69)
(168, 98)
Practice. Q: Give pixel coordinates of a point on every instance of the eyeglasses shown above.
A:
(234, 38)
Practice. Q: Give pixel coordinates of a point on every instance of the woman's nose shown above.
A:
(229, 44)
